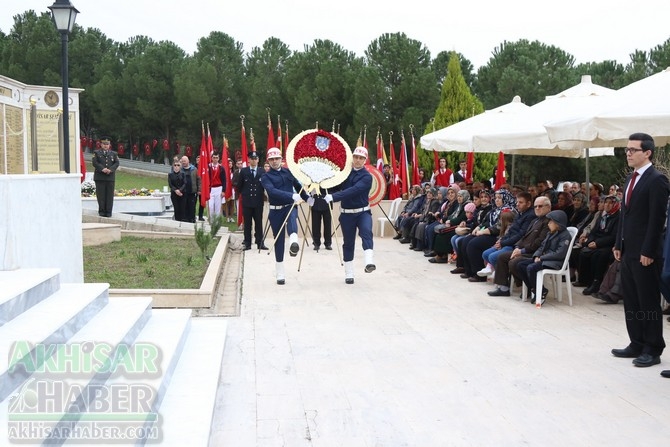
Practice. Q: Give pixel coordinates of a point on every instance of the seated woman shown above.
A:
(430, 207)
(581, 207)
(455, 215)
(596, 253)
(483, 237)
(564, 203)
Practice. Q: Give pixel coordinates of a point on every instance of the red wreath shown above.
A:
(90, 143)
(121, 149)
(147, 149)
(154, 143)
(189, 151)
(178, 147)
(166, 145)
(319, 159)
(97, 144)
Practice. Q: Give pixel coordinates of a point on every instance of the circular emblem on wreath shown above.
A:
(319, 159)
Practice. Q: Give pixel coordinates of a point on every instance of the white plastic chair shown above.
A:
(392, 214)
(557, 275)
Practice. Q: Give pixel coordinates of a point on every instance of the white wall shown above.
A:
(40, 223)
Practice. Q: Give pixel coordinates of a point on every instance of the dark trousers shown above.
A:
(326, 217)
(254, 214)
(351, 222)
(178, 206)
(642, 304)
(592, 264)
(473, 250)
(104, 191)
(527, 269)
(189, 215)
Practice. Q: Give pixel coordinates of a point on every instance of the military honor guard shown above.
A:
(105, 163)
(283, 190)
(355, 213)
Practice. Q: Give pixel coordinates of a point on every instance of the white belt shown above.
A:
(279, 207)
(354, 210)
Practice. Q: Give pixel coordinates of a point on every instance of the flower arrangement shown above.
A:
(87, 189)
(318, 159)
(133, 192)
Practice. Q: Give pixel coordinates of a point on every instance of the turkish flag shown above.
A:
(500, 171)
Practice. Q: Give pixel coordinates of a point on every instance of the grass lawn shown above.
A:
(126, 180)
(145, 263)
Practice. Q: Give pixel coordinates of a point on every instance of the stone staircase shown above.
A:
(78, 367)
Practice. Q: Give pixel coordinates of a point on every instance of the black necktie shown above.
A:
(253, 173)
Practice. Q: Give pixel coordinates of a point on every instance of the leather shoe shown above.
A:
(349, 280)
(328, 247)
(476, 279)
(405, 240)
(626, 353)
(262, 247)
(247, 247)
(437, 260)
(579, 284)
(370, 268)
(606, 298)
(281, 282)
(666, 373)
(499, 292)
(316, 248)
(645, 360)
(464, 275)
(397, 236)
(458, 270)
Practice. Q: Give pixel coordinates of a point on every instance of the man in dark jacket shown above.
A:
(524, 248)
(250, 188)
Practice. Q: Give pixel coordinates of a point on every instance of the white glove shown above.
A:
(297, 198)
(310, 201)
(328, 198)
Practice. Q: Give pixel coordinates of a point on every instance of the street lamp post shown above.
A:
(64, 14)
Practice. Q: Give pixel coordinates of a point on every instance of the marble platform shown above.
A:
(149, 205)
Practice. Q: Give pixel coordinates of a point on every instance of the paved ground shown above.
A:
(413, 356)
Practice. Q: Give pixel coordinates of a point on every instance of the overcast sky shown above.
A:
(590, 30)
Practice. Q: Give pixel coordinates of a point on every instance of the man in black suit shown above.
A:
(252, 192)
(105, 162)
(322, 212)
(639, 244)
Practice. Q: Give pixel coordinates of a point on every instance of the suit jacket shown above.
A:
(641, 222)
(222, 175)
(554, 249)
(534, 236)
(250, 187)
(102, 160)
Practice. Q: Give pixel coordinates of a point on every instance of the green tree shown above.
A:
(456, 104)
(410, 86)
(229, 93)
(320, 82)
(265, 69)
(531, 70)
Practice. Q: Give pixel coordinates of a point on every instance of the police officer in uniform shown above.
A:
(355, 214)
(281, 187)
(105, 162)
(250, 187)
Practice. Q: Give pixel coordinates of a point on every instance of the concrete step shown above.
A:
(23, 288)
(50, 321)
(165, 334)
(100, 233)
(188, 406)
(74, 383)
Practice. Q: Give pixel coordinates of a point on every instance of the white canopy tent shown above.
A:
(643, 106)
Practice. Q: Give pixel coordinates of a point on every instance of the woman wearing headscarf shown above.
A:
(596, 253)
(455, 215)
(564, 203)
(430, 207)
(471, 248)
(581, 210)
